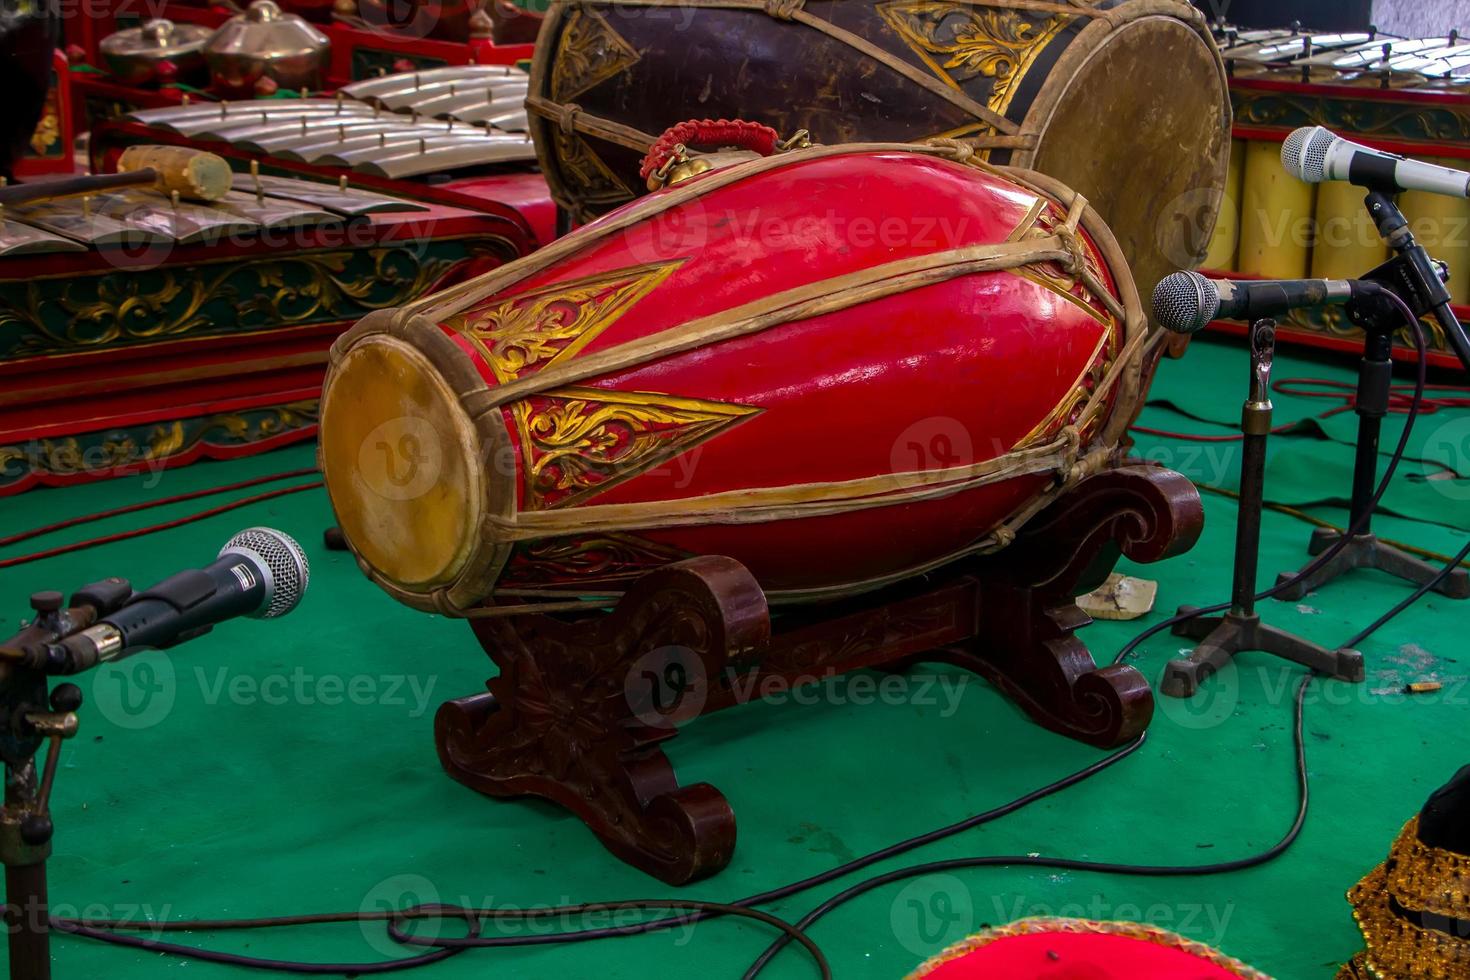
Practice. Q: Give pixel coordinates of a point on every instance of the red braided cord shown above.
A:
(1400, 398)
(166, 525)
(36, 532)
(709, 132)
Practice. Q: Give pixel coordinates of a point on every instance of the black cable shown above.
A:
(101, 929)
(1067, 864)
(1412, 598)
(94, 928)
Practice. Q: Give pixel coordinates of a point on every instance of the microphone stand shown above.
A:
(26, 723)
(1222, 637)
(1413, 276)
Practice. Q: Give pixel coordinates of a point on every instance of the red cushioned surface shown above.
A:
(1060, 956)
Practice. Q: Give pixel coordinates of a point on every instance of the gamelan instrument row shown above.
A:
(260, 50)
(102, 212)
(618, 420)
(1404, 95)
(175, 329)
(1352, 58)
(294, 45)
(395, 127)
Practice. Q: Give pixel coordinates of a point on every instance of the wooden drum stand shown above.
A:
(582, 708)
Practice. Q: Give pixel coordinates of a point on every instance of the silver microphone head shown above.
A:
(1185, 302)
(1304, 154)
(281, 560)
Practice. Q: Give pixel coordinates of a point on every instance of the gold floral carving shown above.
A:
(589, 53)
(531, 330)
(48, 131)
(70, 456)
(960, 42)
(600, 557)
(173, 303)
(595, 181)
(578, 442)
(1333, 322)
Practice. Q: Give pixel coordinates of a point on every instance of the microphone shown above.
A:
(1185, 302)
(260, 573)
(1314, 154)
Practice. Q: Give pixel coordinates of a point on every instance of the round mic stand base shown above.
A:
(1241, 629)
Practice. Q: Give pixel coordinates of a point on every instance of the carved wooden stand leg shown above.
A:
(1026, 644)
(561, 720)
(580, 710)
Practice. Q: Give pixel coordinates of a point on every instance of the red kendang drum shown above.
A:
(839, 365)
(804, 378)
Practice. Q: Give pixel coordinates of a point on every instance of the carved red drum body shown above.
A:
(838, 365)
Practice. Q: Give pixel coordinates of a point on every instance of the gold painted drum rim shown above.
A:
(413, 476)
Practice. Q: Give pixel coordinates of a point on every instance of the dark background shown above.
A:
(1409, 18)
(1317, 15)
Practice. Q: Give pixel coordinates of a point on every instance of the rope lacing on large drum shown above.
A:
(784, 9)
(1076, 261)
(565, 117)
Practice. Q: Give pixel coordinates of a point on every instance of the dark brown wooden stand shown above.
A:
(581, 709)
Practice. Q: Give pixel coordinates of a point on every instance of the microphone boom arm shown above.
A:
(1411, 274)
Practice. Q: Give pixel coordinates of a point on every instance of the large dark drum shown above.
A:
(1124, 101)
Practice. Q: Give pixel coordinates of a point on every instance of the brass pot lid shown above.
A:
(265, 31)
(156, 40)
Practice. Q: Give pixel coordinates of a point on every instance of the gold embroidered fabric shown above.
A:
(1421, 880)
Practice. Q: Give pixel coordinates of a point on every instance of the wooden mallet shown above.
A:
(193, 174)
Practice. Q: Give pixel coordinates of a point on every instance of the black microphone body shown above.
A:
(188, 603)
(260, 572)
(1249, 300)
(1186, 302)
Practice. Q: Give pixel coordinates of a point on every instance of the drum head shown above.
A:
(1142, 130)
(413, 506)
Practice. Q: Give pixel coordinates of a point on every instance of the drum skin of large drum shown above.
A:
(838, 365)
(1124, 101)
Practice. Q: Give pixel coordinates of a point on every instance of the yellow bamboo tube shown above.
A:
(1442, 225)
(1226, 240)
(1275, 217)
(1347, 244)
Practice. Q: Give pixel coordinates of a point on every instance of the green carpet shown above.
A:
(282, 767)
